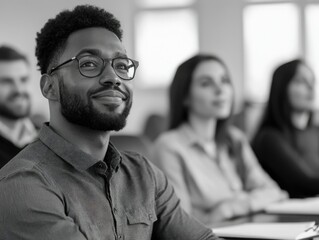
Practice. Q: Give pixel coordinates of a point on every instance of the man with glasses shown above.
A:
(72, 183)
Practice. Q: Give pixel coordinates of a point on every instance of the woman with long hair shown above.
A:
(287, 143)
(209, 162)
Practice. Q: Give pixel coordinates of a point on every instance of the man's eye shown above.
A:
(122, 67)
(24, 79)
(6, 81)
(88, 65)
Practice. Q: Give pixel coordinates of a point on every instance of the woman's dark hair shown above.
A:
(51, 40)
(179, 91)
(278, 110)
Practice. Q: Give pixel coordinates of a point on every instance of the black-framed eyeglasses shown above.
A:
(91, 66)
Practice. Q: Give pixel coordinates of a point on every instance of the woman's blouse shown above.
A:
(205, 179)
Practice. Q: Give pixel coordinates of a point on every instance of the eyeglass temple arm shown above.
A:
(55, 68)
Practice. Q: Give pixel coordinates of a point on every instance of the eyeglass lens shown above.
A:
(92, 66)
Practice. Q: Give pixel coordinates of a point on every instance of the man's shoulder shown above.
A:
(134, 159)
(138, 164)
(25, 160)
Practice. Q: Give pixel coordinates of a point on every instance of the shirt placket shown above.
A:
(107, 174)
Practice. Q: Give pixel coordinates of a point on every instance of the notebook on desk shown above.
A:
(278, 231)
(306, 206)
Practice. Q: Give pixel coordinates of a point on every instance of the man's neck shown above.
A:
(19, 131)
(93, 142)
(10, 123)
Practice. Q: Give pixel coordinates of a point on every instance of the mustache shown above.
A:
(111, 87)
(12, 96)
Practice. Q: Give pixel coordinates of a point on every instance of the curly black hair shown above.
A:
(51, 40)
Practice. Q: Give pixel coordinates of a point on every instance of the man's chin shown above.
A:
(97, 121)
(95, 115)
(108, 125)
(110, 108)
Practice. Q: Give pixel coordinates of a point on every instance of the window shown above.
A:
(312, 41)
(271, 37)
(164, 38)
(164, 3)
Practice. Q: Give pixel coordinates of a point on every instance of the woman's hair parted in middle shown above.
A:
(179, 91)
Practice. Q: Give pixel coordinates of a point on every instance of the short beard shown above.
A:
(11, 114)
(74, 109)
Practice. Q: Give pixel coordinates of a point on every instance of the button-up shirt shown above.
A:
(204, 178)
(54, 190)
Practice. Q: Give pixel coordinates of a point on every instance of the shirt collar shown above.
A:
(193, 140)
(20, 132)
(72, 154)
(113, 157)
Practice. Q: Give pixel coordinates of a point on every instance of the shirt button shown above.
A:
(115, 210)
(120, 237)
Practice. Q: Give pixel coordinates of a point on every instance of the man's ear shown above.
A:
(49, 87)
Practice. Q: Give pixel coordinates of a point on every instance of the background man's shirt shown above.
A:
(14, 137)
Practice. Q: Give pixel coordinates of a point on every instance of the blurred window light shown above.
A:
(163, 40)
(271, 36)
(165, 3)
(312, 41)
(266, 1)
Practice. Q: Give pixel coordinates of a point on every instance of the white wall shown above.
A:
(220, 32)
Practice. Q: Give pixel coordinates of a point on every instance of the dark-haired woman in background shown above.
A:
(287, 144)
(210, 164)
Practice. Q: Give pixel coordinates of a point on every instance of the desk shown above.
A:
(265, 217)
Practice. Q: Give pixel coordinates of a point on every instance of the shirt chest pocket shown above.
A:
(141, 215)
(140, 222)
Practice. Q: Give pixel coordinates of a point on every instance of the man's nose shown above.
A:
(19, 86)
(109, 77)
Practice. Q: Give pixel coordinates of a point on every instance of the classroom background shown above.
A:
(252, 36)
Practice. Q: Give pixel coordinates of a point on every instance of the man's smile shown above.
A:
(110, 97)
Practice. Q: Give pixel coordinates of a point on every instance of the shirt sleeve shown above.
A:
(284, 163)
(32, 209)
(173, 222)
(261, 189)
